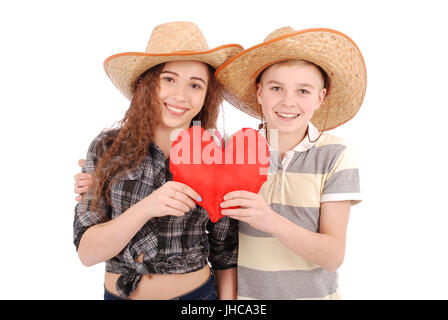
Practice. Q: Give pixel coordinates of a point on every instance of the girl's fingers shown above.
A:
(78, 198)
(181, 187)
(184, 198)
(178, 205)
(170, 211)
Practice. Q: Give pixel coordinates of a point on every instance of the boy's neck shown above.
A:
(287, 140)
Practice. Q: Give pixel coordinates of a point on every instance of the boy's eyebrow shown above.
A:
(305, 85)
(192, 78)
(297, 84)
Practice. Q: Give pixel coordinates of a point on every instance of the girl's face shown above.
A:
(183, 87)
(289, 93)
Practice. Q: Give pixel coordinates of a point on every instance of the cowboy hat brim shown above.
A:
(333, 51)
(124, 68)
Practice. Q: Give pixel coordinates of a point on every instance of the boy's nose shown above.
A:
(288, 99)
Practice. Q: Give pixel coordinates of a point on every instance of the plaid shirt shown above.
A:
(170, 244)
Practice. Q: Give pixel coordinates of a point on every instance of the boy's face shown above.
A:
(289, 93)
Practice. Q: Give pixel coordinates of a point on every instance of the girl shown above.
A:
(147, 228)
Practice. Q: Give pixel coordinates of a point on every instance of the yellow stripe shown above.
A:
(333, 296)
(269, 254)
(293, 189)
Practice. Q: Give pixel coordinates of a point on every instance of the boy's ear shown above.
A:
(321, 97)
(259, 93)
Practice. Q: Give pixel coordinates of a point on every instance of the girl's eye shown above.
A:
(196, 86)
(276, 88)
(169, 79)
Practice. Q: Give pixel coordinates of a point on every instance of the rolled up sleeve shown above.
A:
(223, 240)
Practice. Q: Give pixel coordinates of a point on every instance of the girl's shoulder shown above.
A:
(103, 140)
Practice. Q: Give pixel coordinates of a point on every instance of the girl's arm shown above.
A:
(226, 282)
(103, 241)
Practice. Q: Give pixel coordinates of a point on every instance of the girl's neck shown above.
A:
(162, 138)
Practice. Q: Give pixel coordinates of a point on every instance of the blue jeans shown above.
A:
(207, 291)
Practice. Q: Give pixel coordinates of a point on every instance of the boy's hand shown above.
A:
(253, 211)
(83, 181)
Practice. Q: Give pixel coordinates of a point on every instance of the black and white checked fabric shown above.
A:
(169, 244)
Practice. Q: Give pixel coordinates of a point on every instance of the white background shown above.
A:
(55, 97)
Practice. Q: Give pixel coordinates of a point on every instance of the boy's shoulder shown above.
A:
(329, 139)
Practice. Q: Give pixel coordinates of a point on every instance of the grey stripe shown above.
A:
(287, 285)
(307, 218)
(344, 181)
(317, 160)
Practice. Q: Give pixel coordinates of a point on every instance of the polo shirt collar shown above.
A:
(303, 145)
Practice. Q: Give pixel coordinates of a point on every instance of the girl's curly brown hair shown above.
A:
(126, 147)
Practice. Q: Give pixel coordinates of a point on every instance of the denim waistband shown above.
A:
(206, 291)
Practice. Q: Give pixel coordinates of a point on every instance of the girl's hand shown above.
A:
(173, 198)
(83, 181)
(253, 211)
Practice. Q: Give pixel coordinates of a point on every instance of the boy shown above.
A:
(292, 234)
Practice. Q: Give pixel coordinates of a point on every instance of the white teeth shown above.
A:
(287, 115)
(175, 109)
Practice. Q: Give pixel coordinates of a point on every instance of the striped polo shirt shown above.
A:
(309, 174)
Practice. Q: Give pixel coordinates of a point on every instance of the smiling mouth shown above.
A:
(174, 110)
(287, 115)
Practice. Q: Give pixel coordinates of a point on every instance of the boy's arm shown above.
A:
(325, 248)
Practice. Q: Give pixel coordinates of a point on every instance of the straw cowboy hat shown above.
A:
(333, 51)
(168, 42)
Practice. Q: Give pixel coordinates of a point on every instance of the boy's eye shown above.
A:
(303, 91)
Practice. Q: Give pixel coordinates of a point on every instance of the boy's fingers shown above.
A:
(80, 190)
(83, 182)
(240, 194)
(239, 202)
(83, 176)
(239, 214)
(81, 162)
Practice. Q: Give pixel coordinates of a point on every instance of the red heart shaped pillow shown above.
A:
(214, 171)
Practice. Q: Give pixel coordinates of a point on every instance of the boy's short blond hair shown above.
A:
(325, 78)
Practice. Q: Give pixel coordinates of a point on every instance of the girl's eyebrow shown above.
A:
(192, 78)
(170, 72)
(199, 79)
